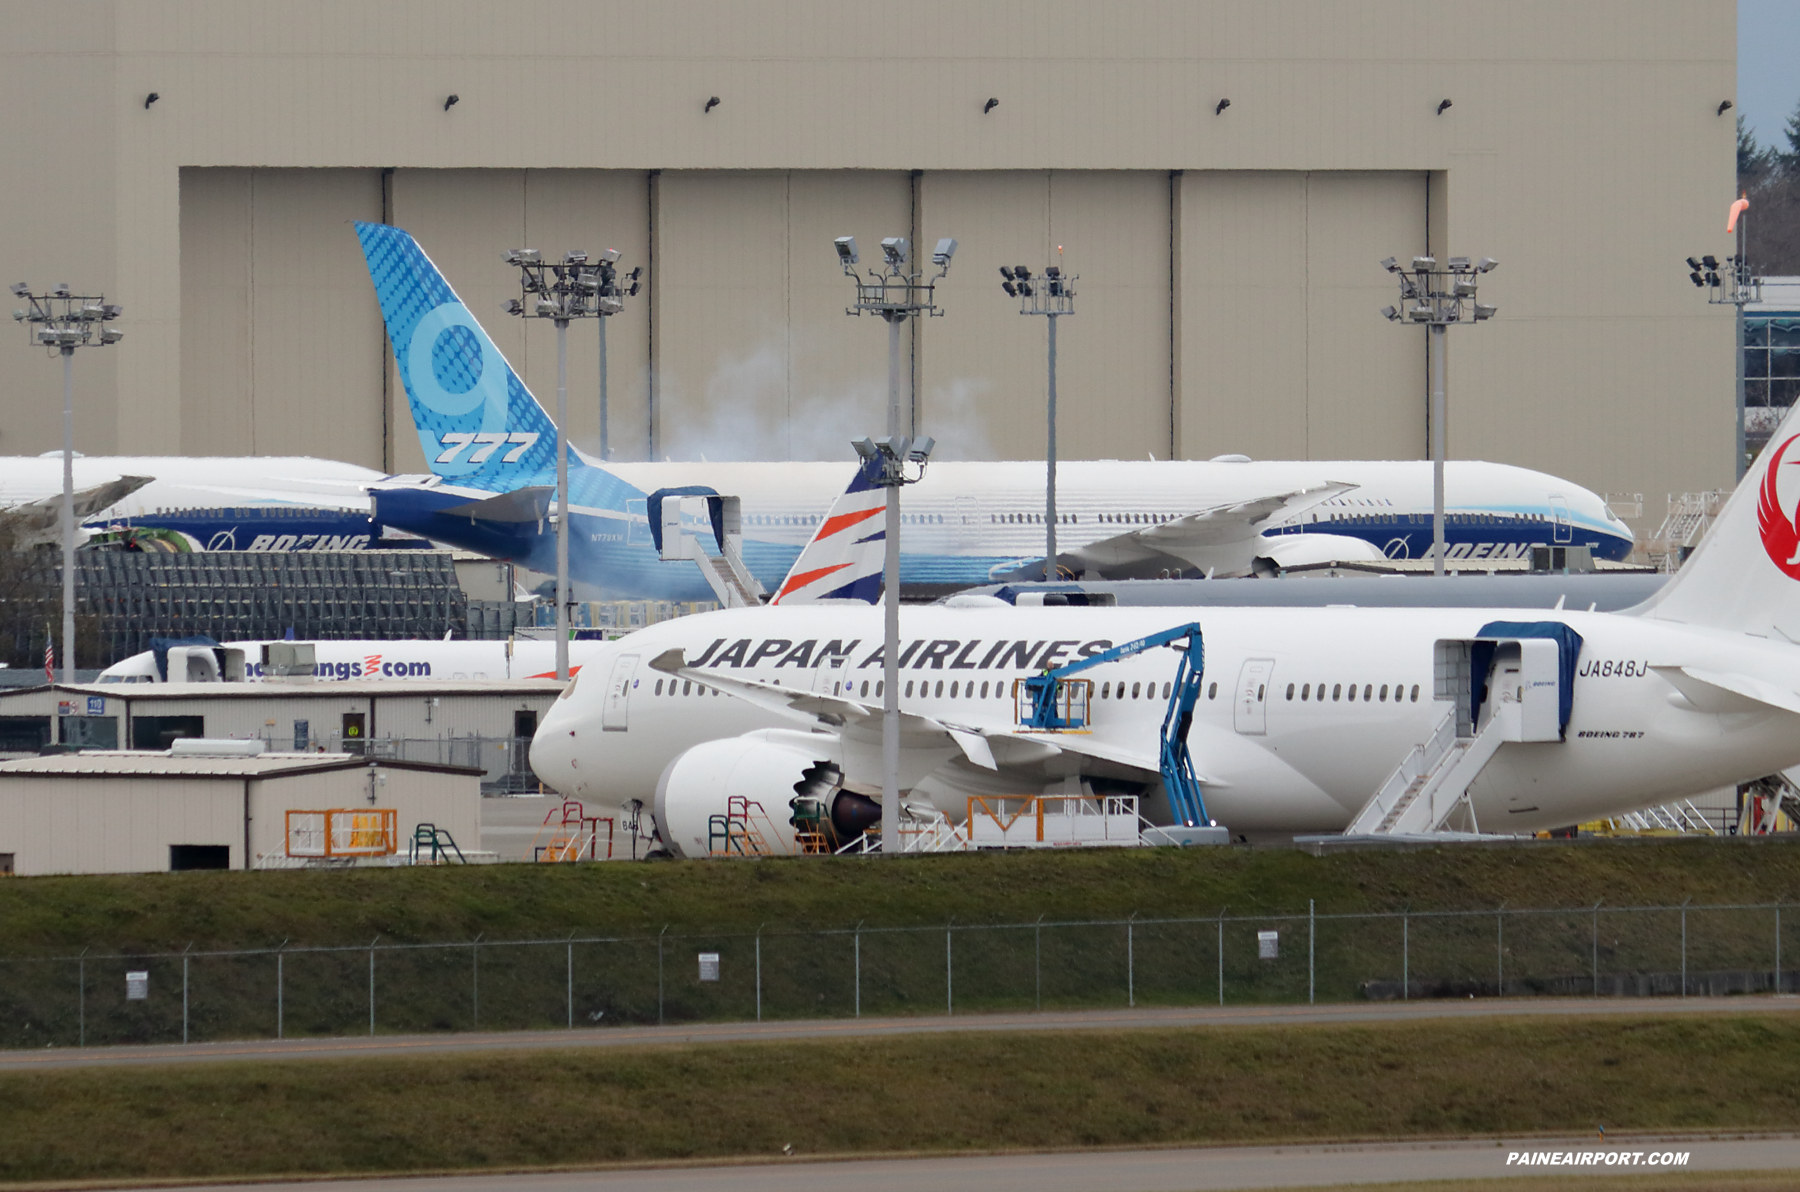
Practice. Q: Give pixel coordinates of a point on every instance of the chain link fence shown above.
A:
(628, 980)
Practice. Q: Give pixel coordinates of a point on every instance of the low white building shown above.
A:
(464, 722)
(140, 812)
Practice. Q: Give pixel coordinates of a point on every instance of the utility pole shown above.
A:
(561, 292)
(62, 321)
(1434, 298)
(1053, 296)
(894, 295)
(1733, 285)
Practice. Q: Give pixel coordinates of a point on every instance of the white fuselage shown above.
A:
(1292, 761)
(997, 508)
(399, 660)
(193, 482)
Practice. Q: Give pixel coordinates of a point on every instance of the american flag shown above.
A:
(49, 660)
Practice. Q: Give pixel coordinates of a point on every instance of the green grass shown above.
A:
(145, 912)
(718, 906)
(922, 1094)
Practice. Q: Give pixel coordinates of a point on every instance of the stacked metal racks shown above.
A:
(240, 595)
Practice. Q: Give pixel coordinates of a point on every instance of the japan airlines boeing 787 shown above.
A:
(1310, 719)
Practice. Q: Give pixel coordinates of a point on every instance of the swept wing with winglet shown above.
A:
(926, 741)
(1223, 540)
(37, 521)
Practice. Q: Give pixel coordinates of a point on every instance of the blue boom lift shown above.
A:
(1052, 704)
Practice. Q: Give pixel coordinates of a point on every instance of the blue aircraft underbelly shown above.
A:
(1402, 537)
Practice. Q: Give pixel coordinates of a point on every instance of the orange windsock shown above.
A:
(1738, 208)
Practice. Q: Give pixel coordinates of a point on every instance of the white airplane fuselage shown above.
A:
(399, 660)
(1291, 761)
(194, 482)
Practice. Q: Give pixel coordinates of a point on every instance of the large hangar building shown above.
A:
(201, 161)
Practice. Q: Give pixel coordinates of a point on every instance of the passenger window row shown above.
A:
(1148, 690)
(1033, 519)
(1136, 519)
(1370, 693)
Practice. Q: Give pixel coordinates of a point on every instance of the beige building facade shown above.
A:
(1228, 255)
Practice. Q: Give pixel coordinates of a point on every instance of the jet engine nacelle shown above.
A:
(715, 795)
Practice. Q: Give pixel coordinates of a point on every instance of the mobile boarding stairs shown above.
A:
(1513, 683)
(724, 570)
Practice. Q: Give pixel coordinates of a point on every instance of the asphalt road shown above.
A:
(1185, 1170)
(866, 1028)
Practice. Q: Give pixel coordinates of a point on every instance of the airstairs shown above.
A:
(1512, 684)
(1689, 516)
(725, 573)
(1431, 784)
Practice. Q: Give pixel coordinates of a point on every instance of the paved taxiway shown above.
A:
(1175, 1170)
(867, 1028)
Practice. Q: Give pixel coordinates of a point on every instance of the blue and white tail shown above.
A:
(477, 423)
(844, 559)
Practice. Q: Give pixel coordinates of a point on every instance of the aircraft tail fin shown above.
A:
(844, 559)
(1745, 575)
(477, 422)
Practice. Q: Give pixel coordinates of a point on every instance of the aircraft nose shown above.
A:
(555, 752)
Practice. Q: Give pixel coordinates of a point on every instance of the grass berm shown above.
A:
(763, 919)
(151, 912)
(920, 1094)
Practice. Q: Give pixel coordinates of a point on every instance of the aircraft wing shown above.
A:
(858, 723)
(1220, 540)
(42, 515)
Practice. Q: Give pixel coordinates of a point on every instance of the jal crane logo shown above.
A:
(1780, 535)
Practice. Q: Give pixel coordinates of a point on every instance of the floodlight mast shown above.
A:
(893, 294)
(1435, 298)
(1730, 283)
(573, 288)
(1053, 296)
(62, 321)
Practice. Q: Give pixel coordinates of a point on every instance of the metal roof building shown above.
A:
(1224, 175)
(483, 724)
(136, 812)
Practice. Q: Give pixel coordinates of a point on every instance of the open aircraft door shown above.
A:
(615, 715)
(1251, 715)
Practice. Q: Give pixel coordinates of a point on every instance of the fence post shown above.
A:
(280, 989)
(1311, 934)
(571, 982)
(949, 975)
(659, 973)
(1684, 907)
(81, 984)
(1500, 951)
(1131, 961)
(1221, 956)
(1037, 957)
(184, 994)
(1778, 947)
(1405, 956)
(372, 985)
(759, 928)
(475, 981)
(857, 935)
(1596, 947)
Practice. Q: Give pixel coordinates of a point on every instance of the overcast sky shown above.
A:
(1768, 66)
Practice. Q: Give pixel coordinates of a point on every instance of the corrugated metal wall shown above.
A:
(1584, 150)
